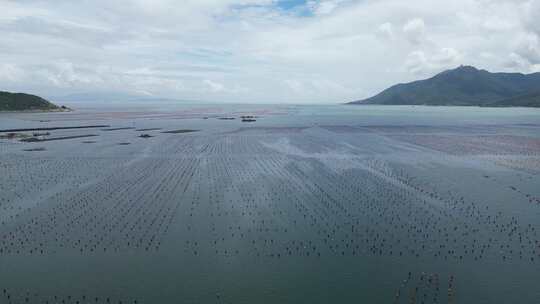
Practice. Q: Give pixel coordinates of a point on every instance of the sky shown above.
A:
(256, 51)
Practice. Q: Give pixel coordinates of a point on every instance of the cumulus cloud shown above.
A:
(414, 30)
(420, 63)
(256, 50)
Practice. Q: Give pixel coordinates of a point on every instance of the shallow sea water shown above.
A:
(309, 204)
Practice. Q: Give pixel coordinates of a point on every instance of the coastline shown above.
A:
(428, 105)
(39, 111)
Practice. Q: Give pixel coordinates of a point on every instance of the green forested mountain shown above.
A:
(526, 100)
(24, 102)
(464, 86)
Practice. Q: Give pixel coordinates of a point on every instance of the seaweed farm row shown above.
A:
(272, 213)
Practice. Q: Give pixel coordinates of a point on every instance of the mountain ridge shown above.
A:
(463, 86)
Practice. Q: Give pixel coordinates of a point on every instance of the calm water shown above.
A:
(309, 204)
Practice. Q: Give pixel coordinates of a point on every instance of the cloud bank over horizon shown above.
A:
(260, 51)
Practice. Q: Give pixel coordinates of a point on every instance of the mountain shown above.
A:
(526, 100)
(25, 102)
(464, 86)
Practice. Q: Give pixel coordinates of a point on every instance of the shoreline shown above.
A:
(426, 105)
(39, 111)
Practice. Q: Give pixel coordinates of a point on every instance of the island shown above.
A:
(464, 86)
(14, 102)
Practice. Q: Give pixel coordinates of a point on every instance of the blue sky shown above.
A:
(283, 51)
(288, 4)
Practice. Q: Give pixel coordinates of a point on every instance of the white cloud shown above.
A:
(422, 64)
(515, 61)
(214, 86)
(415, 30)
(528, 47)
(11, 73)
(532, 16)
(325, 7)
(386, 30)
(447, 57)
(417, 63)
(254, 50)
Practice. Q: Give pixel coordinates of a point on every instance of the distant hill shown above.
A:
(526, 100)
(25, 102)
(464, 86)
